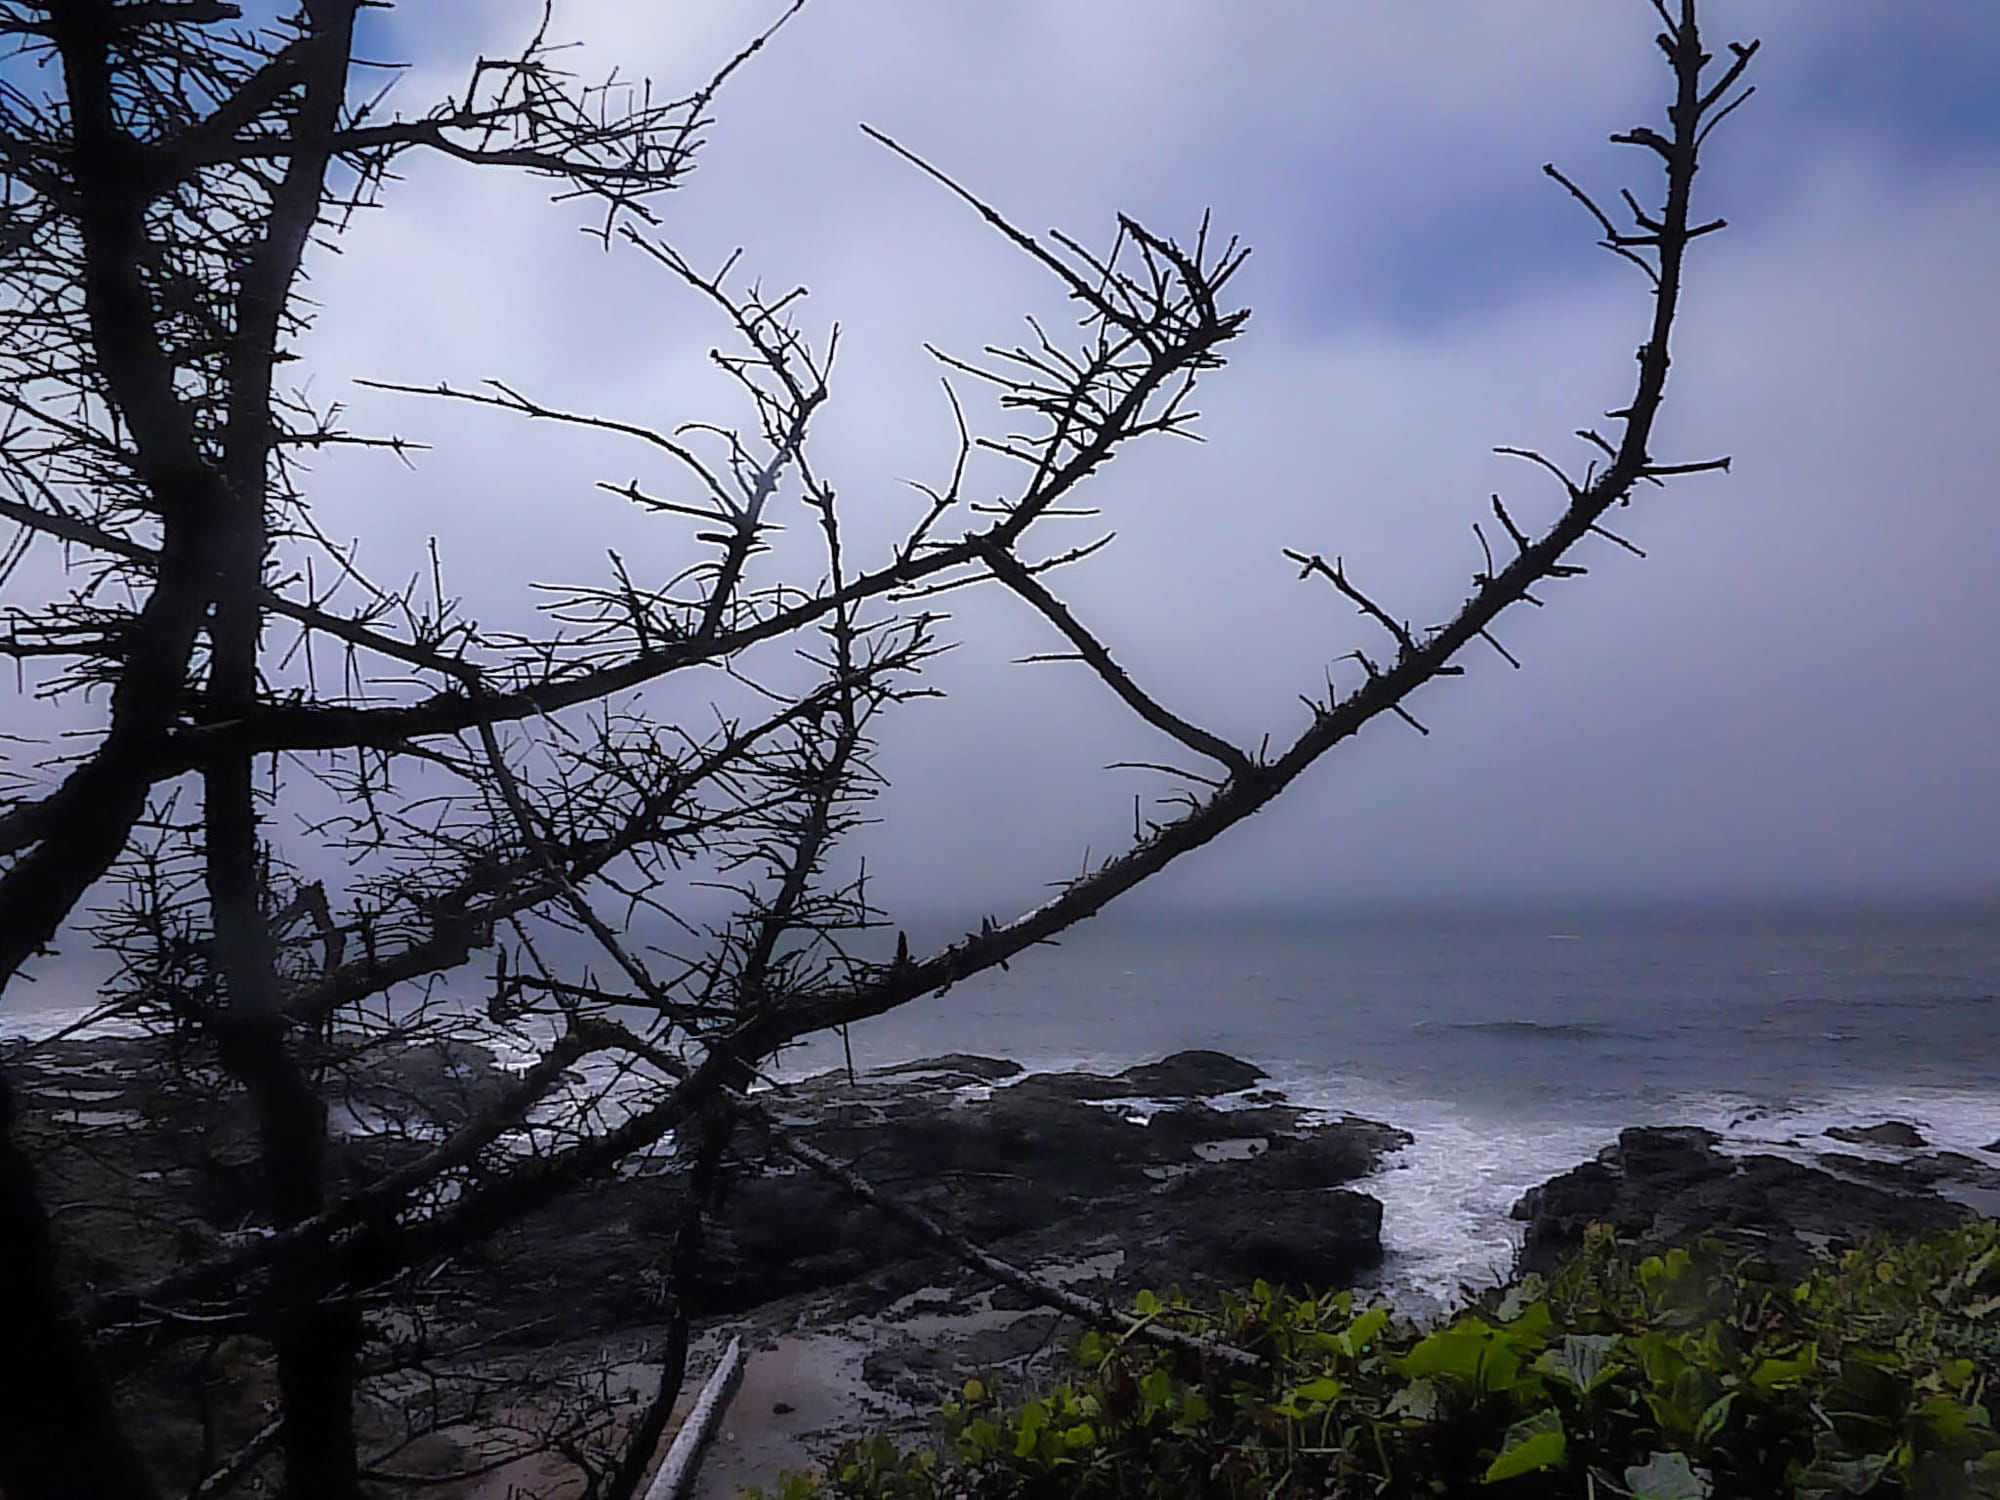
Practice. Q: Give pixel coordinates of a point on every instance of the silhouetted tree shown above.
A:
(168, 168)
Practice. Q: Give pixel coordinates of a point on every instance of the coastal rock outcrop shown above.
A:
(1186, 1187)
(1174, 1165)
(1057, 1166)
(1900, 1133)
(1662, 1186)
(1193, 1074)
(1918, 1171)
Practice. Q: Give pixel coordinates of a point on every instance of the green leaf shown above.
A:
(1530, 1324)
(981, 1437)
(1948, 1417)
(1714, 1418)
(1776, 1373)
(1326, 1388)
(1584, 1360)
(1531, 1445)
(1147, 1303)
(1518, 1296)
(1418, 1401)
(1845, 1476)
(1666, 1476)
(1469, 1351)
(1662, 1362)
(1681, 1404)
(1363, 1329)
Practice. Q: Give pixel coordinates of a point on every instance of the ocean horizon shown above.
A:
(1512, 1042)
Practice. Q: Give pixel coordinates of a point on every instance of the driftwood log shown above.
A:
(677, 1470)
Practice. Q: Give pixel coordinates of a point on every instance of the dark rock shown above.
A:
(1183, 1075)
(1070, 1087)
(917, 1373)
(1668, 1155)
(1625, 1187)
(1011, 1340)
(1330, 1157)
(1888, 1133)
(1558, 1212)
(1198, 1123)
(1906, 1175)
(971, 1065)
(1066, 1176)
(1770, 1196)
(1957, 1167)
(1049, 1171)
(924, 1372)
(1038, 1170)
(1011, 1299)
(1669, 1186)
(1916, 1173)
(1047, 1167)
(1319, 1239)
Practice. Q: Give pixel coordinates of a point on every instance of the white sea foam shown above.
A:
(1949, 1119)
(1447, 1197)
(38, 1024)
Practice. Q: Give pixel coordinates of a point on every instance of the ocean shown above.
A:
(1516, 1044)
(1512, 1044)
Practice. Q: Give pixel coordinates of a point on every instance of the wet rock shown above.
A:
(963, 1064)
(1670, 1186)
(1196, 1073)
(1917, 1173)
(1332, 1156)
(1197, 1122)
(1898, 1133)
(1038, 1168)
(1558, 1212)
(1957, 1167)
(1667, 1156)
(1051, 1167)
(1316, 1238)
(1073, 1087)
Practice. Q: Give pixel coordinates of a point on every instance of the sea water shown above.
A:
(1515, 1044)
(1511, 1044)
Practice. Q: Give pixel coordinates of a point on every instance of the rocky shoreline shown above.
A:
(1181, 1172)
(1662, 1186)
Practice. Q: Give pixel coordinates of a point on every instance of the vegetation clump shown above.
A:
(1664, 1377)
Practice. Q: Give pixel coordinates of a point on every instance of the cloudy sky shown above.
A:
(1795, 693)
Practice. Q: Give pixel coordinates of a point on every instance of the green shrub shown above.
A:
(1659, 1378)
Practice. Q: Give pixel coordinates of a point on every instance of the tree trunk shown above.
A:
(60, 1436)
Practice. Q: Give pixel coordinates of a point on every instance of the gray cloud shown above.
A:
(1795, 691)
